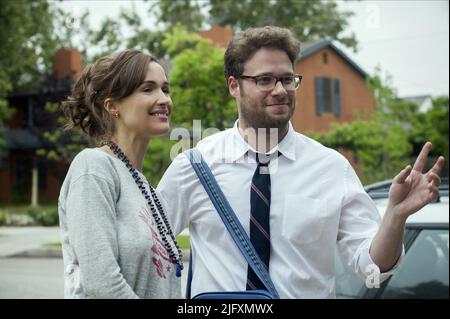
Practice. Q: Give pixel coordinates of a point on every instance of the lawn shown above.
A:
(183, 242)
(23, 208)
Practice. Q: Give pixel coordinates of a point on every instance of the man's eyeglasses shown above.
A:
(268, 82)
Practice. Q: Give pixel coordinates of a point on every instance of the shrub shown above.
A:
(44, 217)
(25, 216)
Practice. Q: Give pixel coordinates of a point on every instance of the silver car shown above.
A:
(424, 270)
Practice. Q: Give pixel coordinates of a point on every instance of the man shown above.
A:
(310, 200)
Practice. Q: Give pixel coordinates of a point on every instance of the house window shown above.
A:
(328, 96)
(325, 58)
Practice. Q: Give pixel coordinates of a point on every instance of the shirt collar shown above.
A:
(240, 147)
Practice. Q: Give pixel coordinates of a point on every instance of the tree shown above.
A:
(184, 12)
(420, 127)
(27, 45)
(198, 86)
(309, 20)
(28, 42)
(58, 143)
(382, 150)
(70, 27)
(433, 126)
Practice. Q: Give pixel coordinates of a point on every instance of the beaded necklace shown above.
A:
(176, 257)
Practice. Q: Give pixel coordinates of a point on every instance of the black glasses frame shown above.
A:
(256, 78)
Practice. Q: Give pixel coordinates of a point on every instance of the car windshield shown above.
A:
(424, 271)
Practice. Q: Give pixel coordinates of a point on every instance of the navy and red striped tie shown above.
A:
(259, 218)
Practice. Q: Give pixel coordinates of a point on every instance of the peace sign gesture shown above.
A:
(411, 189)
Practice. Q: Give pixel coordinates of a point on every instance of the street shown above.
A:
(31, 278)
(38, 278)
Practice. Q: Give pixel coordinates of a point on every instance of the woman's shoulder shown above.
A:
(92, 156)
(91, 166)
(92, 161)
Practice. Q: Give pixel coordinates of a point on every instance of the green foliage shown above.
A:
(46, 215)
(70, 27)
(309, 20)
(157, 159)
(27, 45)
(61, 144)
(198, 88)
(123, 32)
(184, 242)
(178, 38)
(184, 12)
(53, 245)
(5, 114)
(28, 42)
(433, 126)
(382, 150)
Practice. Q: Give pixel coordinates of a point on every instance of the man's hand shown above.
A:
(411, 190)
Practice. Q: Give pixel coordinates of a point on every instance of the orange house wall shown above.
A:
(355, 95)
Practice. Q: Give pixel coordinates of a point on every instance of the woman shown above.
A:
(116, 239)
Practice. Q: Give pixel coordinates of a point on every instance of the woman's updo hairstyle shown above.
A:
(115, 77)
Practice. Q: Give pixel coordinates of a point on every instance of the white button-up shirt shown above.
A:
(317, 201)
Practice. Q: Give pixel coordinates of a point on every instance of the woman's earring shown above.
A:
(116, 115)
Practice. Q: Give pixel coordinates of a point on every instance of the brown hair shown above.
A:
(245, 44)
(114, 76)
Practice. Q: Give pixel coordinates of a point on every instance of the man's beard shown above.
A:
(255, 116)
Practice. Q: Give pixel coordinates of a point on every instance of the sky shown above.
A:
(408, 40)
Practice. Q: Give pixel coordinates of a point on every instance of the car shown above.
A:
(424, 270)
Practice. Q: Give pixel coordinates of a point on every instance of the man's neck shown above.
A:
(262, 139)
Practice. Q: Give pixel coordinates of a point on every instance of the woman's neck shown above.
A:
(133, 147)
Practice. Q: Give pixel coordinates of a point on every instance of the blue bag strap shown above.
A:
(230, 220)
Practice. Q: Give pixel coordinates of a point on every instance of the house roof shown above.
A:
(47, 85)
(425, 102)
(21, 139)
(420, 99)
(309, 48)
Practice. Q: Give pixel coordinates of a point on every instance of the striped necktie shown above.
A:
(259, 218)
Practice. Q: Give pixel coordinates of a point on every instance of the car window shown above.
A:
(424, 271)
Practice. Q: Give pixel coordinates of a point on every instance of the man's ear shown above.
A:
(233, 86)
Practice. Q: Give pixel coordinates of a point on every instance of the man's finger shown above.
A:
(434, 193)
(438, 166)
(401, 177)
(422, 158)
(434, 179)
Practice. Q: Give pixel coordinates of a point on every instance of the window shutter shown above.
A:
(320, 107)
(337, 98)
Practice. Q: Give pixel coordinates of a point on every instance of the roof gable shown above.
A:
(309, 48)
